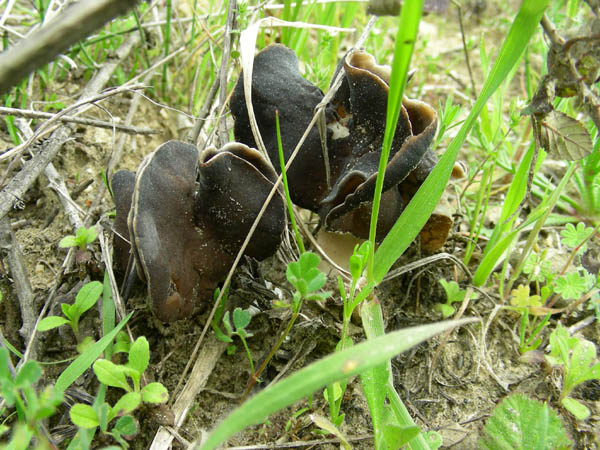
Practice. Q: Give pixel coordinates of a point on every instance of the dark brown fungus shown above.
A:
(356, 124)
(361, 104)
(234, 183)
(278, 85)
(122, 184)
(185, 234)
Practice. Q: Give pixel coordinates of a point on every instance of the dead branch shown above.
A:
(67, 28)
(31, 114)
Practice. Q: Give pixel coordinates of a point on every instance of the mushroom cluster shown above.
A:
(340, 189)
(184, 216)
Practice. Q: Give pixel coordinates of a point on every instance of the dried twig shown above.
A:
(70, 26)
(31, 114)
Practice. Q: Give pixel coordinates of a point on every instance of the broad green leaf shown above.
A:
(155, 393)
(139, 354)
(88, 295)
(522, 423)
(564, 137)
(68, 241)
(103, 411)
(111, 374)
(337, 366)
(396, 436)
(578, 409)
(50, 322)
(241, 318)
(422, 204)
(84, 361)
(126, 426)
(83, 416)
(126, 404)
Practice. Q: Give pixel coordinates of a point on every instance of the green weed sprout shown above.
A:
(454, 294)
(577, 357)
(18, 391)
(83, 237)
(307, 280)
(116, 375)
(241, 319)
(526, 305)
(86, 298)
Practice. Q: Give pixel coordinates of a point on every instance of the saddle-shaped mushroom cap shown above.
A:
(361, 104)
(233, 186)
(355, 127)
(277, 85)
(180, 262)
(186, 234)
(122, 184)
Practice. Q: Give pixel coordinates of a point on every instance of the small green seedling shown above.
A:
(526, 305)
(86, 298)
(575, 237)
(308, 280)
(241, 319)
(18, 391)
(578, 360)
(82, 238)
(116, 375)
(453, 294)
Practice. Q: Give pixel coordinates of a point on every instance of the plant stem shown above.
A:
(262, 367)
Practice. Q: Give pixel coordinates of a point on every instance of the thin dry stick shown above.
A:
(70, 26)
(18, 271)
(31, 114)
(223, 70)
(464, 43)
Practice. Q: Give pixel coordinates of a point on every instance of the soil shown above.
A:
(448, 385)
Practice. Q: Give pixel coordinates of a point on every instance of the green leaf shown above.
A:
(155, 393)
(564, 137)
(28, 374)
(578, 409)
(103, 411)
(126, 426)
(396, 436)
(139, 355)
(68, 241)
(522, 423)
(111, 374)
(573, 237)
(304, 274)
(126, 404)
(570, 286)
(445, 309)
(88, 295)
(50, 322)
(5, 375)
(423, 203)
(91, 235)
(83, 416)
(335, 367)
(241, 318)
(84, 361)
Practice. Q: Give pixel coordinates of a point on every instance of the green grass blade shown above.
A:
(338, 366)
(87, 358)
(421, 206)
(408, 27)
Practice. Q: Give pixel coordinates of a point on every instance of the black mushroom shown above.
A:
(355, 127)
(188, 219)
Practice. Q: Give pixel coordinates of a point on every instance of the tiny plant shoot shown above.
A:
(83, 237)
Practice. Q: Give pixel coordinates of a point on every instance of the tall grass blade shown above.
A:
(405, 43)
(421, 206)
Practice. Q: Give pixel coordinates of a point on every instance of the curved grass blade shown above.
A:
(421, 206)
(335, 367)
